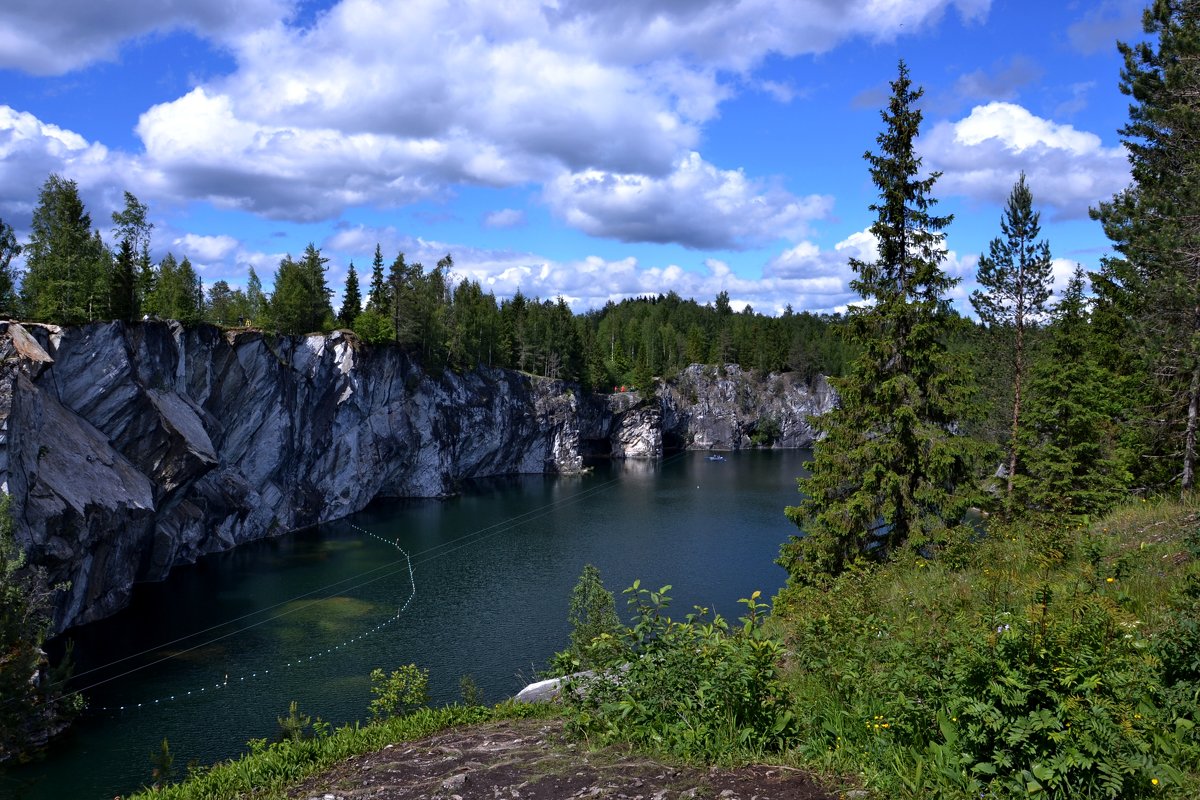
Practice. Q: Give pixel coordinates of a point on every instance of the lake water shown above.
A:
(306, 617)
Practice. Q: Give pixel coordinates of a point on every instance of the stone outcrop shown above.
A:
(128, 449)
(712, 408)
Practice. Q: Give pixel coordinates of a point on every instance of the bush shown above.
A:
(698, 689)
(400, 693)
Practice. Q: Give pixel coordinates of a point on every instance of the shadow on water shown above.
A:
(308, 615)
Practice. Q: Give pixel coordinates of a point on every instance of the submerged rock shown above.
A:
(130, 448)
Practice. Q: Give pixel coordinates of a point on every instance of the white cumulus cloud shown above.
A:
(983, 154)
(697, 205)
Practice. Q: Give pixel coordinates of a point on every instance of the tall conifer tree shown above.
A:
(892, 470)
(1153, 285)
(351, 299)
(1016, 273)
(380, 300)
(1071, 461)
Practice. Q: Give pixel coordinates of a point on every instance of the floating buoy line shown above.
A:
(405, 564)
(241, 680)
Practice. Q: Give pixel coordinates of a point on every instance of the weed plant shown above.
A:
(1041, 661)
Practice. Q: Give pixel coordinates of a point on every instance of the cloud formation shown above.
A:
(44, 40)
(696, 205)
(319, 118)
(982, 155)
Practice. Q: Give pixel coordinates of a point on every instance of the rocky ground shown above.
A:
(533, 760)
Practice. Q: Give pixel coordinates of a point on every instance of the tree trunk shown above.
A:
(1019, 366)
(1189, 437)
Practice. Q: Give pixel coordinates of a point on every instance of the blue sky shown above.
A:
(589, 149)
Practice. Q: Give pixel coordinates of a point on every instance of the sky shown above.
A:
(585, 149)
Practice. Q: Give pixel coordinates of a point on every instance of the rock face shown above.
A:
(128, 449)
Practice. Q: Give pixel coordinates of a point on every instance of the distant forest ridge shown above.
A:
(73, 276)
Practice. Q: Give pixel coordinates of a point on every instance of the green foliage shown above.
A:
(766, 432)
(30, 705)
(66, 263)
(296, 725)
(9, 249)
(592, 612)
(1150, 290)
(177, 293)
(699, 689)
(351, 299)
(1071, 459)
(469, 691)
(268, 770)
(162, 765)
(1017, 274)
(402, 692)
(1050, 662)
(893, 469)
(373, 327)
(300, 302)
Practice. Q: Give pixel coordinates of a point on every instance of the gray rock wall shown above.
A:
(128, 449)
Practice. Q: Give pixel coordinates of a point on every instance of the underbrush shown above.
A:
(698, 689)
(269, 769)
(1040, 661)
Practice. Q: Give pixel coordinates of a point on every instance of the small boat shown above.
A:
(715, 457)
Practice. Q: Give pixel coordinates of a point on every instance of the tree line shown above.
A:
(73, 276)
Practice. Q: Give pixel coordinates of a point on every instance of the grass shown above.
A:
(266, 771)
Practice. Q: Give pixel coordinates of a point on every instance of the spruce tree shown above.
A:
(380, 300)
(892, 470)
(351, 299)
(124, 304)
(1016, 273)
(1149, 292)
(1070, 457)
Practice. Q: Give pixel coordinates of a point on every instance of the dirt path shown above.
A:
(533, 760)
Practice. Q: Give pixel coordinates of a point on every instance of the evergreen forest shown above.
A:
(994, 583)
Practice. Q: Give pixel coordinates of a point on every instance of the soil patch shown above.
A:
(533, 760)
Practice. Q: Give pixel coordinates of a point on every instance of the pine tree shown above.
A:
(1153, 286)
(351, 299)
(892, 470)
(1017, 274)
(1071, 461)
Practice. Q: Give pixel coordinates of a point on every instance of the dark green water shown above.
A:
(493, 570)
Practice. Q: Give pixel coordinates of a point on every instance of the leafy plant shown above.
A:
(699, 689)
(402, 692)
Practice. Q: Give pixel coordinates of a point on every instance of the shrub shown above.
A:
(698, 689)
(402, 692)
